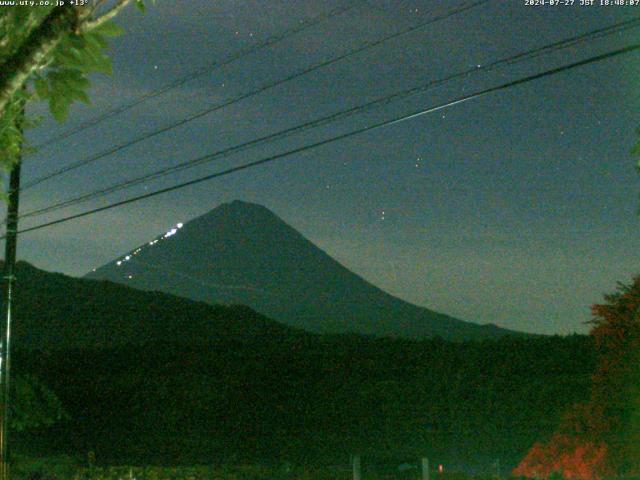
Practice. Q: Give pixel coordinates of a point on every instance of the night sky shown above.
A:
(517, 208)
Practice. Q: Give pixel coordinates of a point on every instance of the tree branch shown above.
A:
(40, 43)
(90, 24)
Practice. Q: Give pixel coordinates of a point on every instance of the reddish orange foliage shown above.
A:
(601, 437)
(563, 455)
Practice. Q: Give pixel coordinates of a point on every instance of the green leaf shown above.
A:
(141, 6)
(109, 29)
(83, 97)
(59, 106)
(78, 41)
(72, 79)
(96, 40)
(42, 88)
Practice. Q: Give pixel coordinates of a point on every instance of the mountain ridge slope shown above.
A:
(247, 255)
(57, 312)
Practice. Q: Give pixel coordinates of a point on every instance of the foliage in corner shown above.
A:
(66, 80)
(47, 53)
(601, 437)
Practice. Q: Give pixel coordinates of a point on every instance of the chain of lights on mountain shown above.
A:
(135, 252)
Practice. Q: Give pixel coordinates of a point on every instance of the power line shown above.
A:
(343, 136)
(304, 25)
(511, 60)
(243, 96)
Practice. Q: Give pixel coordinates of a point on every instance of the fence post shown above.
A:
(425, 468)
(355, 465)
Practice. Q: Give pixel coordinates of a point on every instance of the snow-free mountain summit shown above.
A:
(243, 253)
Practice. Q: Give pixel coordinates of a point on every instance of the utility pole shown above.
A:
(11, 238)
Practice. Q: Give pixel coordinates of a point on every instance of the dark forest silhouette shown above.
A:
(148, 377)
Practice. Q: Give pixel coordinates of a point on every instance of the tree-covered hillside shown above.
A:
(54, 311)
(313, 399)
(149, 377)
